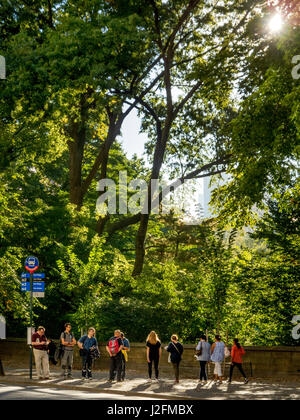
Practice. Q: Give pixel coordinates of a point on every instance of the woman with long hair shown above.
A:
(153, 353)
(237, 352)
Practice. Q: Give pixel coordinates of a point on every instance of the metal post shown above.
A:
(30, 358)
(1, 368)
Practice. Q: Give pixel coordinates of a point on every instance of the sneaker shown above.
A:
(246, 381)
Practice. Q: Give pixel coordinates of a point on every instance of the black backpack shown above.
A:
(95, 353)
(59, 352)
(52, 350)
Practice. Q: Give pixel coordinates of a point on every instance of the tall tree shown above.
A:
(199, 47)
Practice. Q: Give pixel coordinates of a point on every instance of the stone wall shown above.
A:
(267, 362)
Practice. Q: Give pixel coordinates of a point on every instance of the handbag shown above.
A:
(226, 352)
(169, 358)
(124, 352)
(199, 352)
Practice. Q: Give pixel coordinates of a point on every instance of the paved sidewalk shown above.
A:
(166, 389)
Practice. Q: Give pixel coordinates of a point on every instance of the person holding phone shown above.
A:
(40, 350)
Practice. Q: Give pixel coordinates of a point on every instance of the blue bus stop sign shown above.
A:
(38, 275)
(31, 264)
(25, 286)
(38, 286)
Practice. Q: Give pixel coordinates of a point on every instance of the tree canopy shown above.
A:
(215, 94)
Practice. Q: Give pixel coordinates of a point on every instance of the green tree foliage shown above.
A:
(264, 136)
(76, 69)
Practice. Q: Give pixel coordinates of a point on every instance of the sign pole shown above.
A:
(31, 265)
(31, 350)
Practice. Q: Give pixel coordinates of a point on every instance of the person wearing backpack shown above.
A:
(114, 348)
(68, 342)
(237, 352)
(40, 343)
(175, 349)
(203, 354)
(87, 343)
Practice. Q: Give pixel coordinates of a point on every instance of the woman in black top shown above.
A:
(175, 349)
(153, 353)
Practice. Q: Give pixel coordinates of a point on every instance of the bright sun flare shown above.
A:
(276, 23)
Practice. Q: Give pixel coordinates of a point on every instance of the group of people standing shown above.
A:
(118, 347)
(205, 353)
(175, 349)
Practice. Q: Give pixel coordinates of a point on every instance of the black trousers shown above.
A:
(176, 370)
(115, 367)
(203, 374)
(239, 366)
(87, 365)
(156, 362)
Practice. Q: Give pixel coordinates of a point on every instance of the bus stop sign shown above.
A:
(31, 264)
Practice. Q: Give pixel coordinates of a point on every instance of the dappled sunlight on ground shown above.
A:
(165, 387)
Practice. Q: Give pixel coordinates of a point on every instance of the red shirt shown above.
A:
(37, 338)
(236, 354)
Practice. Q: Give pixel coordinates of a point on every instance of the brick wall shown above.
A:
(268, 362)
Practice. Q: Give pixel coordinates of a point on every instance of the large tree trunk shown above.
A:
(142, 231)
(76, 148)
(116, 121)
(77, 132)
(140, 245)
